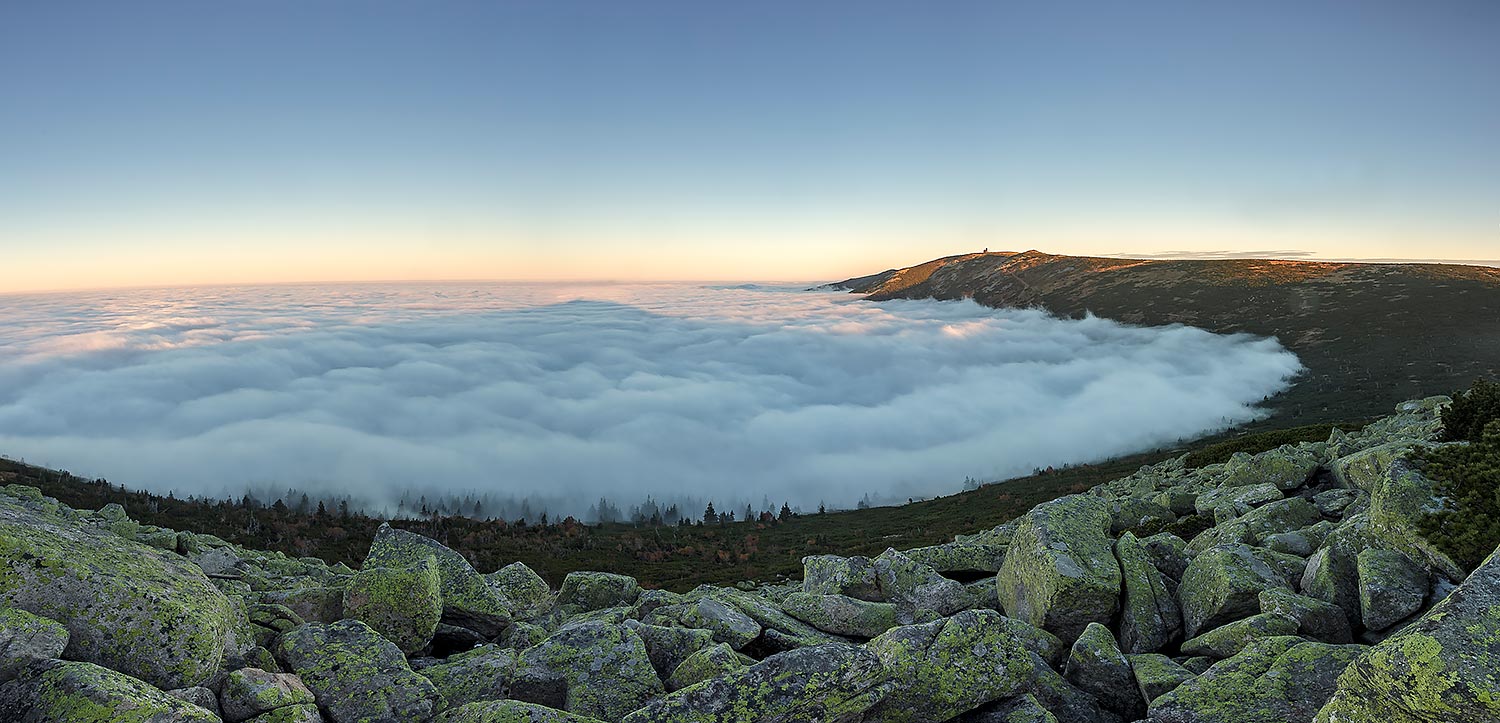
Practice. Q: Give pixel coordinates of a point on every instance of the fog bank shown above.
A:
(572, 392)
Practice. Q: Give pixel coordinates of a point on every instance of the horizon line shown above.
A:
(1279, 255)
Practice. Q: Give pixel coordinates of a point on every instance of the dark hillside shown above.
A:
(671, 557)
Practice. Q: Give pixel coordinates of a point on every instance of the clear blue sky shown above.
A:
(192, 142)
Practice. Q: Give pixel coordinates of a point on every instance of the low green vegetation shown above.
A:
(1466, 418)
(673, 557)
(1468, 477)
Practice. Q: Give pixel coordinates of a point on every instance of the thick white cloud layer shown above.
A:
(573, 391)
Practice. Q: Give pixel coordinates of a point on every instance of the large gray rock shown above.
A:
(834, 575)
(484, 673)
(966, 557)
(249, 692)
(779, 631)
(725, 622)
(1156, 675)
(25, 637)
(404, 604)
(668, 646)
(1097, 667)
(828, 683)
(1391, 587)
(468, 600)
(1439, 668)
(1315, 618)
(918, 591)
(710, 662)
(509, 711)
(1253, 527)
(356, 675)
(1060, 573)
(53, 691)
(1230, 638)
(593, 669)
(587, 591)
(841, 614)
(528, 593)
(1223, 584)
(1277, 680)
(126, 606)
(1150, 618)
(947, 667)
(1287, 467)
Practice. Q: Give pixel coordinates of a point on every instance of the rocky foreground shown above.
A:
(1288, 586)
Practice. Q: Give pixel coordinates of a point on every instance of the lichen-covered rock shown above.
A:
(509, 711)
(1254, 526)
(918, 591)
(1439, 668)
(1399, 497)
(1223, 584)
(200, 696)
(960, 557)
(25, 637)
(1020, 709)
(1332, 503)
(249, 692)
(479, 674)
(582, 592)
(593, 669)
(528, 593)
(1149, 615)
(832, 683)
(126, 606)
(1047, 646)
(841, 614)
(668, 646)
(1287, 467)
(304, 713)
(1276, 680)
(1391, 587)
(1168, 553)
(1138, 515)
(1156, 675)
(1097, 667)
(779, 631)
(356, 675)
(834, 575)
(1066, 702)
(402, 603)
(651, 600)
(1238, 500)
(468, 599)
(946, 667)
(1060, 573)
(317, 604)
(53, 691)
(709, 662)
(725, 622)
(1230, 638)
(1315, 618)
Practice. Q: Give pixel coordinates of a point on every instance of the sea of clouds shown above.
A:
(569, 392)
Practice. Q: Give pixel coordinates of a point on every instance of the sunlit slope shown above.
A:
(1370, 334)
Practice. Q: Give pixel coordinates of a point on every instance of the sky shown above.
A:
(563, 393)
(163, 143)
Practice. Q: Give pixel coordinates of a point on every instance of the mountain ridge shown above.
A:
(1370, 334)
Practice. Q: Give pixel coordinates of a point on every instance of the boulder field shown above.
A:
(1289, 586)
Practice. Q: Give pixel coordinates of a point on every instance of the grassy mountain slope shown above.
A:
(1370, 334)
